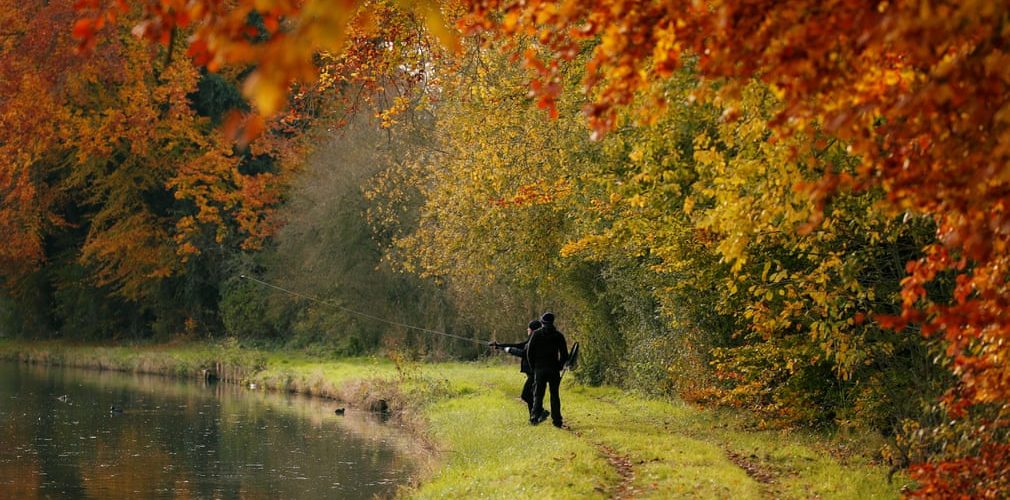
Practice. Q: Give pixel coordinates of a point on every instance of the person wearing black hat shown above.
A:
(547, 352)
(519, 350)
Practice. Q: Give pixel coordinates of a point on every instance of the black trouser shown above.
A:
(527, 394)
(541, 379)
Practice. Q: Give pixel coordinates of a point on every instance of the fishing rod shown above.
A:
(359, 313)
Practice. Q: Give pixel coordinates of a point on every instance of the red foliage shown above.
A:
(986, 475)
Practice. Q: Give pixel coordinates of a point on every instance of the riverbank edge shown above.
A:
(383, 392)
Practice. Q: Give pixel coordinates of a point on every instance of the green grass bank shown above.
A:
(467, 415)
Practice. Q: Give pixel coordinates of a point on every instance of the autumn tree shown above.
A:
(116, 184)
(27, 194)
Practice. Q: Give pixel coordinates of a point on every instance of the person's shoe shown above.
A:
(540, 418)
(559, 425)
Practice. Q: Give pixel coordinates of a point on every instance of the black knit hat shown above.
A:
(535, 325)
(548, 318)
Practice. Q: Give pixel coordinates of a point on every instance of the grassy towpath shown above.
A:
(619, 444)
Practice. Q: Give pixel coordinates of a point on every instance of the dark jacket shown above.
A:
(547, 349)
(519, 349)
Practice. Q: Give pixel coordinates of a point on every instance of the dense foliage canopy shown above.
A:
(798, 206)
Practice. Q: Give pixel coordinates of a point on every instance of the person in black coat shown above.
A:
(547, 352)
(519, 350)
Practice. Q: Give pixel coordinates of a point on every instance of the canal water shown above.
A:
(71, 433)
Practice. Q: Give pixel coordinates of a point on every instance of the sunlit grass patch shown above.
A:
(492, 451)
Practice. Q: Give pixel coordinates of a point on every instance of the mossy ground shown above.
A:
(618, 444)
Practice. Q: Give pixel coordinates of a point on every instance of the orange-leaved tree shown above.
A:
(107, 149)
(26, 132)
(280, 39)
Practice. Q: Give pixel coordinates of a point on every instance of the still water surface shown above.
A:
(181, 439)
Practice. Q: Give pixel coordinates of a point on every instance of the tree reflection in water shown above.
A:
(185, 440)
